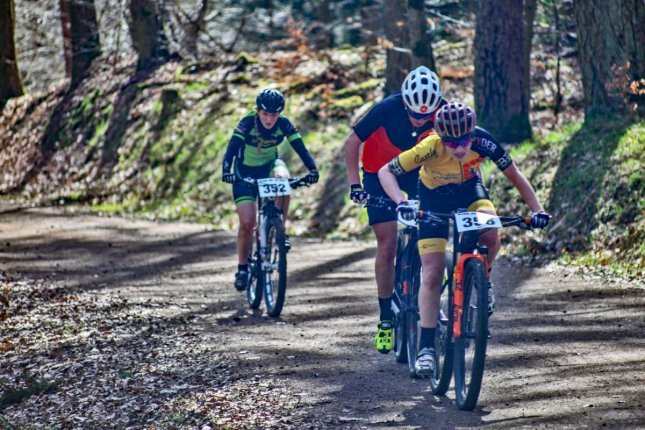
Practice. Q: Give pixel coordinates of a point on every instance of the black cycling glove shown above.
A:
(407, 210)
(229, 178)
(540, 219)
(357, 194)
(312, 177)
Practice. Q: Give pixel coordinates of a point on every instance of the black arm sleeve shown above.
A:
(299, 146)
(235, 145)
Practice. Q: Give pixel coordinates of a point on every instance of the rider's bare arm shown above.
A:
(390, 184)
(524, 187)
(352, 153)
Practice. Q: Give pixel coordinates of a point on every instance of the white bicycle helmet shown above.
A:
(421, 91)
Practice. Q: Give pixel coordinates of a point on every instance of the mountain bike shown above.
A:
(268, 259)
(405, 300)
(407, 280)
(462, 329)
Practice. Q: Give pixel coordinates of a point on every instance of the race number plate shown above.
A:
(476, 221)
(273, 187)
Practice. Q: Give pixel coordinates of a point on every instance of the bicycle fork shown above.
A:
(458, 290)
(265, 252)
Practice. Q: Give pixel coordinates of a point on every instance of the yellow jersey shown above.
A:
(438, 168)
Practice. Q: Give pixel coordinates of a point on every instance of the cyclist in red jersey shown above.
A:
(394, 125)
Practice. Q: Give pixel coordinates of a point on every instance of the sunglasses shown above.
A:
(455, 143)
(416, 115)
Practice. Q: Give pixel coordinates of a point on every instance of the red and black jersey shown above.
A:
(386, 132)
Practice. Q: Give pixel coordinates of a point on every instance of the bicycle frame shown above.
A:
(267, 210)
(464, 248)
(410, 233)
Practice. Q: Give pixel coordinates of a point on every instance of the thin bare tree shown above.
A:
(148, 35)
(10, 82)
(408, 41)
(81, 41)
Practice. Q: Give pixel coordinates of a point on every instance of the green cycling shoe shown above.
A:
(385, 337)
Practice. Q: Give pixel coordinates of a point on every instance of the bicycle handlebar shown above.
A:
(523, 222)
(293, 182)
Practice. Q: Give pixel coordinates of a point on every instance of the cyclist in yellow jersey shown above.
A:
(449, 179)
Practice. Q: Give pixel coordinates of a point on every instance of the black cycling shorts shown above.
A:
(244, 192)
(408, 182)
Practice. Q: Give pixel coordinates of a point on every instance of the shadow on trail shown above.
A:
(571, 340)
(127, 263)
(312, 273)
(122, 259)
(336, 356)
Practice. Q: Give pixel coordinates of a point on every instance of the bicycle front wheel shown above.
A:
(412, 276)
(398, 305)
(470, 347)
(275, 273)
(254, 286)
(444, 346)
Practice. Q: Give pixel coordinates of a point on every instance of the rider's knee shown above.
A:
(432, 278)
(490, 239)
(386, 250)
(247, 225)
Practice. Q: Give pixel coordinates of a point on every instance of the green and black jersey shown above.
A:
(253, 146)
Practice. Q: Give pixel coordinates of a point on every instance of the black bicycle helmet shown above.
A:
(454, 120)
(270, 100)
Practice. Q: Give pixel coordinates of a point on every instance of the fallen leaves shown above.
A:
(96, 360)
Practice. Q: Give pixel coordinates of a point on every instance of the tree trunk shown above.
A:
(398, 56)
(324, 12)
(66, 24)
(420, 40)
(530, 7)
(502, 90)
(148, 36)
(194, 28)
(84, 37)
(611, 37)
(408, 43)
(10, 82)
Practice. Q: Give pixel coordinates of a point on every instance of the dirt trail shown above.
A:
(566, 352)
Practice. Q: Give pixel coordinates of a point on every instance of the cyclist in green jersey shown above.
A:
(253, 152)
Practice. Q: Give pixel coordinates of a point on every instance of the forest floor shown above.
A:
(116, 323)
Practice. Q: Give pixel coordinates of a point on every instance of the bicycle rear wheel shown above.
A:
(398, 307)
(412, 276)
(470, 348)
(444, 345)
(254, 286)
(275, 277)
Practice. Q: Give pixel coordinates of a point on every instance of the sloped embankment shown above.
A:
(152, 143)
